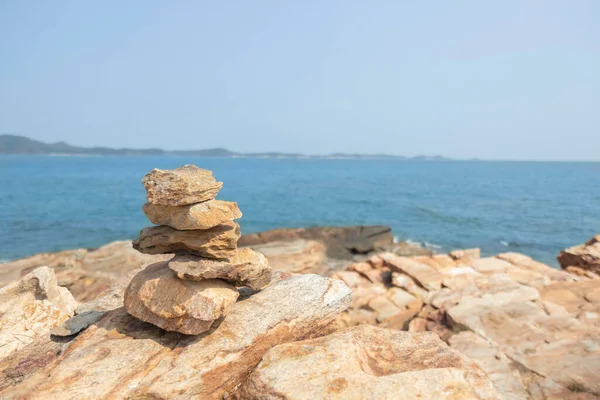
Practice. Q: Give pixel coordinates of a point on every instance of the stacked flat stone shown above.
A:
(198, 285)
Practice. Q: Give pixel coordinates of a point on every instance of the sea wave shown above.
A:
(424, 244)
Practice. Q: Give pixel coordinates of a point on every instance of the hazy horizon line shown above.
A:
(242, 154)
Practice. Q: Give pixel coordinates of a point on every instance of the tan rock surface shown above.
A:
(30, 308)
(246, 268)
(586, 256)
(341, 242)
(532, 323)
(297, 256)
(427, 276)
(203, 215)
(501, 371)
(217, 242)
(560, 347)
(182, 186)
(106, 361)
(121, 357)
(491, 265)
(367, 363)
(466, 254)
(86, 273)
(210, 366)
(156, 295)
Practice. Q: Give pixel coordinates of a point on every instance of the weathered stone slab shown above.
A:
(182, 186)
(427, 276)
(203, 215)
(106, 361)
(499, 368)
(121, 357)
(30, 308)
(212, 365)
(367, 363)
(246, 268)
(217, 242)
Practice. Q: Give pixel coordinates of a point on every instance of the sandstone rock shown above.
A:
(466, 254)
(210, 366)
(498, 367)
(408, 305)
(582, 272)
(580, 299)
(383, 307)
(376, 303)
(203, 215)
(182, 186)
(19, 366)
(418, 325)
(367, 270)
(30, 308)
(340, 242)
(106, 361)
(427, 277)
(246, 268)
(297, 256)
(547, 273)
(491, 265)
(86, 273)
(217, 242)
(407, 283)
(121, 357)
(367, 363)
(561, 348)
(158, 296)
(352, 279)
(586, 256)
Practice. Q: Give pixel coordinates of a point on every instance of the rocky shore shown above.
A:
(345, 314)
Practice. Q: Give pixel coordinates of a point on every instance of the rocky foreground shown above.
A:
(389, 327)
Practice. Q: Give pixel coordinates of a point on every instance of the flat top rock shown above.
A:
(246, 268)
(367, 363)
(182, 186)
(203, 215)
(217, 242)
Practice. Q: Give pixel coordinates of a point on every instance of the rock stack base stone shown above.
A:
(198, 286)
(158, 296)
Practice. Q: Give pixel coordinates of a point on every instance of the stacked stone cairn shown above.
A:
(198, 285)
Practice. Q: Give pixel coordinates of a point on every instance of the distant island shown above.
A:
(14, 144)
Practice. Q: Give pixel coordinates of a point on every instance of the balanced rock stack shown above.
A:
(198, 285)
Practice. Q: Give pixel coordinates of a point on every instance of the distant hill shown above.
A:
(13, 144)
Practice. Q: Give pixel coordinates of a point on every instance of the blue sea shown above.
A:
(536, 208)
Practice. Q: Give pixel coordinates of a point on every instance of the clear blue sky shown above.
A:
(507, 79)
